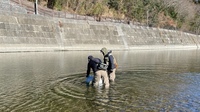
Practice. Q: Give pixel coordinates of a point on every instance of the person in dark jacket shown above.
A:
(92, 64)
(111, 62)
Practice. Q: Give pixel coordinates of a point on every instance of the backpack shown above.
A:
(115, 62)
(102, 66)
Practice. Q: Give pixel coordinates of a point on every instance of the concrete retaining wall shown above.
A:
(24, 32)
(6, 5)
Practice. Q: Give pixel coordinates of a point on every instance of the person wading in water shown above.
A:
(110, 60)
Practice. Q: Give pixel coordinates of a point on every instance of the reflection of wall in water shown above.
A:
(179, 61)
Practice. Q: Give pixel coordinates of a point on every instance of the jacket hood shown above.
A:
(104, 51)
(90, 57)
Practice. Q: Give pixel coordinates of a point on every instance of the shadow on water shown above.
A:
(146, 81)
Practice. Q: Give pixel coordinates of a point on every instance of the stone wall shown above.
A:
(25, 32)
(7, 6)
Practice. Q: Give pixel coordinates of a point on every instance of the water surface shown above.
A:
(146, 81)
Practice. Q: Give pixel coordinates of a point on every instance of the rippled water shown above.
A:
(146, 81)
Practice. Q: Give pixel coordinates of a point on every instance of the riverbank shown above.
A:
(26, 32)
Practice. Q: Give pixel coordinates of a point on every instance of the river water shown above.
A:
(145, 81)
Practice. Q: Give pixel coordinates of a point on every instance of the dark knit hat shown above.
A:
(90, 57)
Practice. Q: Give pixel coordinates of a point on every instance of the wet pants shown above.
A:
(98, 75)
(112, 75)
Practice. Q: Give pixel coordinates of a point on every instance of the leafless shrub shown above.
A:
(185, 8)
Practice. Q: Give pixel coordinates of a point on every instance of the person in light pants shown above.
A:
(92, 64)
(110, 60)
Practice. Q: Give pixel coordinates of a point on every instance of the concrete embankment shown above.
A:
(24, 32)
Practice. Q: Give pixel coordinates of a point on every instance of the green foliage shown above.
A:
(171, 12)
(195, 25)
(59, 4)
(113, 4)
(98, 9)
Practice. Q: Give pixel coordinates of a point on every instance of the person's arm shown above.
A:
(88, 70)
(111, 62)
(106, 60)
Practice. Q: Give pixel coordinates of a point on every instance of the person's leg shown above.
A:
(105, 77)
(97, 78)
(112, 75)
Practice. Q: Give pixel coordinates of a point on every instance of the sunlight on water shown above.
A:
(146, 81)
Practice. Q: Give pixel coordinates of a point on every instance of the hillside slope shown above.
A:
(181, 15)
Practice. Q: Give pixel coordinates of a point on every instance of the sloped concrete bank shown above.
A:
(24, 32)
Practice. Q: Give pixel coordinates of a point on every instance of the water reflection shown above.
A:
(54, 81)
